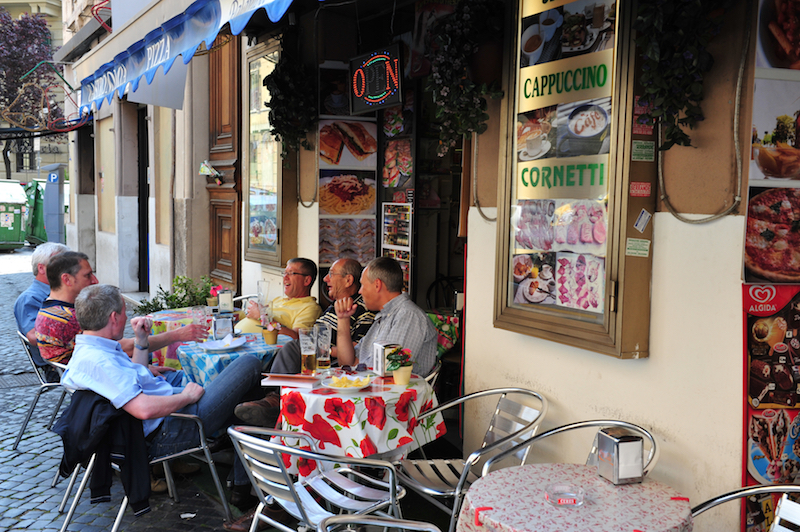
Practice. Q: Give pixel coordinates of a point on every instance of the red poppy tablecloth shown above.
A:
(379, 419)
(512, 500)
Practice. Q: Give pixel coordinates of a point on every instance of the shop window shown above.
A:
(578, 190)
(263, 166)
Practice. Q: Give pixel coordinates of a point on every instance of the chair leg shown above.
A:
(56, 479)
(74, 505)
(27, 417)
(171, 489)
(120, 514)
(56, 409)
(72, 478)
(217, 483)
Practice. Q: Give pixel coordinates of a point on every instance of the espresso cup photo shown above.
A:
(532, 43)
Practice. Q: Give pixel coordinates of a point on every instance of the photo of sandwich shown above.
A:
(359, 137)
(330, 144)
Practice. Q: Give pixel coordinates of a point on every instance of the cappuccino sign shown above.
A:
(375, 80)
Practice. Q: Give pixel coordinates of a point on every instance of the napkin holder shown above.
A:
(379, 360)
(787, 515)
(221, 325)
(619, 456)
(225, 301)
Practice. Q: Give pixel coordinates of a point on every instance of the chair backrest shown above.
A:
(515, 421)
(264, 464)
(742, 493)
(375, 521)
(26, 346)
(525, 445)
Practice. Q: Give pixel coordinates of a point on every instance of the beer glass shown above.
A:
(308, 351)
(323, 334)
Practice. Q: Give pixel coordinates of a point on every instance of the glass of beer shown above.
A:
(308, 351)
(323, 334)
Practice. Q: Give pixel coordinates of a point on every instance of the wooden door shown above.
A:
(225, 155)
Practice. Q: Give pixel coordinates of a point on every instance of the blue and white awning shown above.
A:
(181, 36)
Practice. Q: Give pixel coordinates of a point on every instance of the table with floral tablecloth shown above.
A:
(169, 320)
(380, 419)
(203, 366)
(512, 500)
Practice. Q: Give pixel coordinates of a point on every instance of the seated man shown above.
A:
(56, 325)
(293, 310)
(399, 321)
(99, 364)
(343, 281)
(30, 301)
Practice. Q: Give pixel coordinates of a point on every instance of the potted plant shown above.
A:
(185, 292)
(400, 365)
(213, 293)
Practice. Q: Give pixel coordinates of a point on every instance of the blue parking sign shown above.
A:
(52, 177)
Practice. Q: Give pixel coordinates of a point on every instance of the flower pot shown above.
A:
(402, 376)
(270, 337)
(212, 301)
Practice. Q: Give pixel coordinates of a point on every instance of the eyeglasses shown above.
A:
(337, 273)
(294, 273)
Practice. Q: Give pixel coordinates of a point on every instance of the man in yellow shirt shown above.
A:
(296, 308)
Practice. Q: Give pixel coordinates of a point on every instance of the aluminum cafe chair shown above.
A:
(343, 488)
(648, 463)
(195, 452)
(447, 480)
(329, 523)
(44, 386)
(743, 493)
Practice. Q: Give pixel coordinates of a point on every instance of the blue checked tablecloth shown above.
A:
(203, 366)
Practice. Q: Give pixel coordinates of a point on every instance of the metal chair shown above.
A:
(742, 493)
(343, 488)
(510, 425)
(370, 520)
(649, 463)
(43, 387)
(205, 457)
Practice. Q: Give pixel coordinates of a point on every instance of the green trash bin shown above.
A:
(34, 226)
(13, 206)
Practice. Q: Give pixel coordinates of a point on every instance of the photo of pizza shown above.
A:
(772, 237)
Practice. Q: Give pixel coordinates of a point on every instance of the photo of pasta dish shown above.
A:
(346, 194)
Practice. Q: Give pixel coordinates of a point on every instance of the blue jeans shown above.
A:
(215, 409)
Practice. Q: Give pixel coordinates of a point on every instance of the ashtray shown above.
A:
(561, 494)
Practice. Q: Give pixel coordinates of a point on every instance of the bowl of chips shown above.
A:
(346, 383)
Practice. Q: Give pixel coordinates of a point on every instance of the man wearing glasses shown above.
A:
(295, 308)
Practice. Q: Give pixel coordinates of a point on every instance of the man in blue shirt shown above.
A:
(30, 301)
(99, 364)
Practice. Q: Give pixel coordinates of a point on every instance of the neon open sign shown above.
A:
(375, 80)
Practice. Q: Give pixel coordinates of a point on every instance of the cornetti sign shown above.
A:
(375, 80)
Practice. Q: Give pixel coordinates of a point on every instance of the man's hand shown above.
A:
(141, 329)
(193, 391)
(345, 308)
(158, 371)
(253, 312)
(192, 333)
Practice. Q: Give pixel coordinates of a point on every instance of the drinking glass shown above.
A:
(264, 309)
(308, 351)
(198, 315)
(323, 334)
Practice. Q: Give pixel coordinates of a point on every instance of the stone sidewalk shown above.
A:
(27, 502)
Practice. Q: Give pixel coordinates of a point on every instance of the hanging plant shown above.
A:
(292, 104)
(672, 37)
(461, 103)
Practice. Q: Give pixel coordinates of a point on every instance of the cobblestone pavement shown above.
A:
(27, 500)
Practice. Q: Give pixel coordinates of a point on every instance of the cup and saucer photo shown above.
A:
(533, 150)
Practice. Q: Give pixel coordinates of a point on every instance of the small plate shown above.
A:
(216, 346)
(525, 156)
(328, 383)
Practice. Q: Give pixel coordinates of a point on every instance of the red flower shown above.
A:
(440, 430)
(323, 391)
(293, 408)
(287, 460)
(427, 406)
(306, 466)
(377, 411)
(367, 447)
(340, 411)
(412, 424)
(404, 440)
(321, 430)
(401, 408)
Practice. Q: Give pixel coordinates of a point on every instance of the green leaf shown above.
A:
(393, 434)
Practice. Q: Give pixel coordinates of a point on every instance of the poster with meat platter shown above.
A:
(347, 144)
(569, 280)
(771, 451)
(561, 225)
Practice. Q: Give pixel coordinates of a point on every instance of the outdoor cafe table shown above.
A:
(512, 500)
(202, 366)
(380, 419)
(169, 320)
